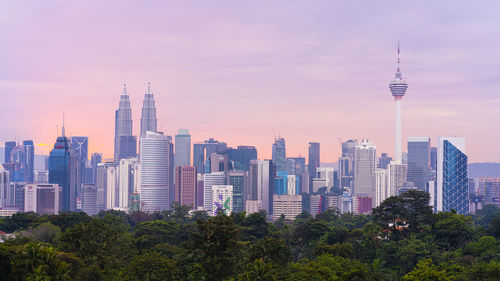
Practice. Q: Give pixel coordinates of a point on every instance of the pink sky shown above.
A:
(245, 71)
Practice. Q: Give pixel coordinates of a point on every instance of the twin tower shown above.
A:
(125, 141)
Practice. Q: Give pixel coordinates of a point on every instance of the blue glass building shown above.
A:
(281, 183)
(63, 167)
(452, 182)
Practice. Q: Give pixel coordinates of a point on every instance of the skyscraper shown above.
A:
(202, 152)
(279, 154)
(241, 156)
(211, 179)
(182, 148)
(219, 162)
(63, 170)
(4, 187)
(185, 187)
(239, 181)
(148, 119)
(9, 146)
(452, 182)
(314, 161)
(398, 89)
(80, 147)
(125, 142)
(154, 171)
(95, 159)
(222, 198)
(364, 169)
(29, 160)
(419, 152)
(261, 183)
(42, 198)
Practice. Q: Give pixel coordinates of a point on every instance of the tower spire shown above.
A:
(124, 89)
(63, 130)
(149, 88)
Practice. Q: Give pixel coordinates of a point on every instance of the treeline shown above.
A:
(402, 240)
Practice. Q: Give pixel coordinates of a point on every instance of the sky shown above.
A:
(245, 72)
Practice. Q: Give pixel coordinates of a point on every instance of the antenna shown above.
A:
(63, 130)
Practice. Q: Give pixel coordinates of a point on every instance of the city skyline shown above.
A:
(196, 65)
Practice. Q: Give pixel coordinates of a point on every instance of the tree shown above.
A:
(148, 234)
(46, 232)
(389, 213)
(271, 250)
(453, 231)
(328, 267)
(150, 266)
(418, 213)
(258, 270)
(425, 271)
(65, 220)
(19, 221)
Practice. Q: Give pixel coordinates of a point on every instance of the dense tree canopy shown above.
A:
(402, 240)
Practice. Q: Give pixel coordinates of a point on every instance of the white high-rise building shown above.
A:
(260, 186)
(127, 181)
(154, 171)
(364, 169)
(382, 188)
(111, 186)
(288, 205)
(326, 173)
(210, 180)
(291, 185)
(222, 198)
(398, 89)
(396, 177)
(182, 148)
(42, 198)
(4, 186)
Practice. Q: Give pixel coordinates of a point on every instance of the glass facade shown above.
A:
(62, 171)
(418, 161)
(455, 183)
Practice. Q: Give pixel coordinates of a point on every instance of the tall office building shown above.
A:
(398, 89)
(489, 189)
(95, 159)
(241, 156)
(381, 187)
(327, 173)
(396, 177)
(125, 142)
(9, 146)
(202, 152)
(29, 160)
(293, 185)
(148, 119)
(209, 180)
(112, 187)
(219, 162)
(80, 147)
(346, 164)
(154, 150)
(4, 187)
(43, 199)
(127, 182)
(63, 170)
(261, 179)
(288, 205)
(281, 182)
(314, 161)
(102, 184)
(89, 199)
(434, 158)
(185, 186)
(279, 154)
(182, 148)
(239, 181)
(452, 183)
(364, 169)
(419, 159)
(384, 160)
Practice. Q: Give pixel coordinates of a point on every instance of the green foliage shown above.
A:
(453, 231)
(150, 266)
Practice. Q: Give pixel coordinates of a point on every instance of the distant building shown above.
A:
(364, 169)
(419, 160)
(239, 181)
(148, 118)
(89, 199)
(288, 205)
(219, 162)
(154, 151)
(241, 156)
(314, 161)
(43, 199)
(279, 154)
(452, 182)
(209, 181)
(186, 186)
(383, 161)
(182, 148)
(381, 186)
(222, 198)
(261, 179)
(202, 152)
(489, 188)
(125, 142)
(80, 147)
(433, 156)
(396, 177)
(4, 187)
(362, 205)
(42, 176)
(280, 182)
(128, 181)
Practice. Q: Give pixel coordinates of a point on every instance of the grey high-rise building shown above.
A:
(241, 156)
(239, 181)
(125, 142)
(203, 151)
(182, 156)
(80, 147)
(148, 119)
(434, 158)
(314, 162)
(419, 154)
(9, 146)
(95, 159)
(364, 169)
(279, 154)
(384, 161)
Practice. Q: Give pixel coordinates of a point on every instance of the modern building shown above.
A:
(241, 156)
(261, 187)
(148, 119)
(20, 161)
(185, 186)
(42, 176)
(314, 161)
(202, 152)
(222, 198)
(4, 187)
(219, 162)
(112, 187)
(128, 181)
(346, 164)
(239, 181)
(63, 170)
(383, 161)
(362, 205)
(279, 154)
(9, 146)
(89, 199)
(200, 191)
(452, 183)
(154, 151)
(209, 181)
(125, 142)
(182, 149)
(489, 189)
(396, 177)
(80, 147)
(398, 89)
(364, 169)
(381, 186)
(95, 159)
(326, 173)
(293, 185)
(280, 182)
(434, 158)
(419, 161)
(43, 199)
(29, 160)
(288, 205)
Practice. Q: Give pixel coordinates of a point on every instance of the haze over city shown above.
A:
(245, 73)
